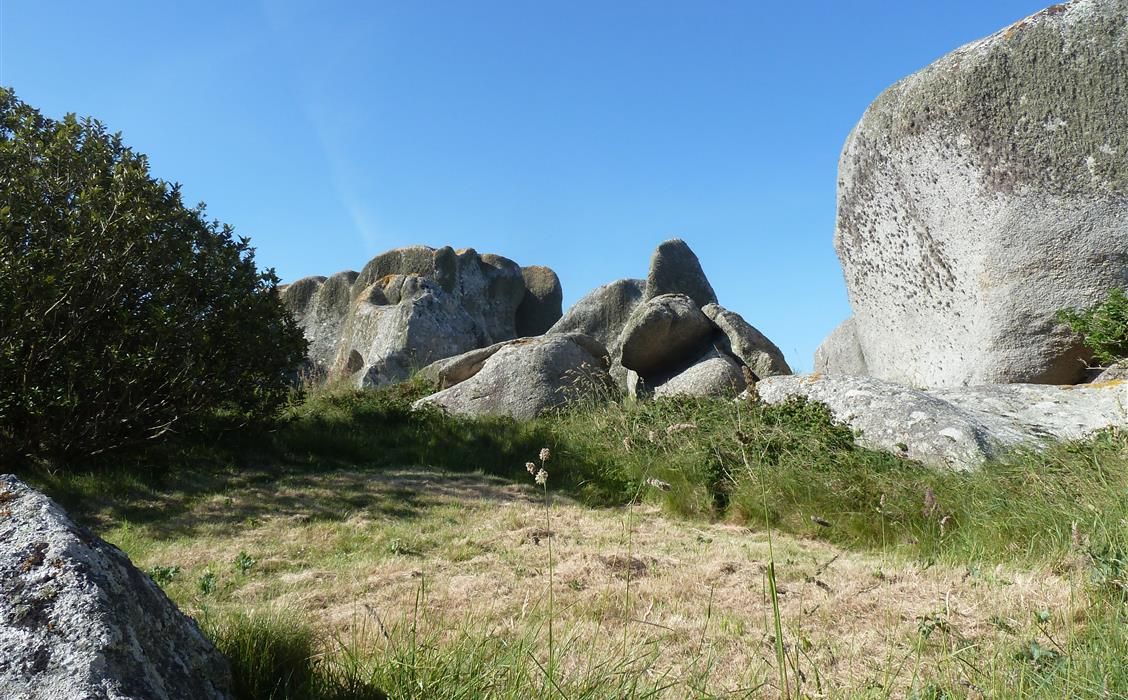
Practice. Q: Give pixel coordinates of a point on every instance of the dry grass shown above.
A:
(367, 551)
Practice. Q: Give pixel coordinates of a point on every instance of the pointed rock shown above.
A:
(675, 269)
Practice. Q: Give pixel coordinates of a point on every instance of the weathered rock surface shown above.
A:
(956, 428)
(675, 269)
(392, 331)
(524, 378)
(713, 374)
(541, 307)
(602, 312)
(449, 371)
(411, 306)
(741, 340)
(662, 333)
(985, 192)
(841, 353)
(78, 621)
(1099, 375)
(321, 306)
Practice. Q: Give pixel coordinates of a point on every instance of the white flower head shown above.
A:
(545, 454)
(542, 477)
(530, 467)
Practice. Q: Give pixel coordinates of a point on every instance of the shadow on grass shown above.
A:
(312, 463)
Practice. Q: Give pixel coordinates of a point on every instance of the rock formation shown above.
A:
(78, 620)
(412, 306)
(521, 378)
(675, 269)
(671, 324)
(662, 332)
(982, 194)
(957, 427)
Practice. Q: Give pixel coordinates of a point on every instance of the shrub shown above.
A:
(1103, 326)
(123, 313)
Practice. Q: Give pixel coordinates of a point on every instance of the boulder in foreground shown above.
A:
(982, 194)
(79, 622)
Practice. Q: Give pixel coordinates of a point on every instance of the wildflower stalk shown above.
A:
(541, 478)
(551, 610)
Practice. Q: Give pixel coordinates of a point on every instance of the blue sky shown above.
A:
(576, 135)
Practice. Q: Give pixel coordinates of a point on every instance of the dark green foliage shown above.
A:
(1103, 326)
(123, 313)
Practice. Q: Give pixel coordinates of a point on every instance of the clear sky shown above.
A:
(575, 134)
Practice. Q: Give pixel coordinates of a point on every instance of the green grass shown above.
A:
(786, 468)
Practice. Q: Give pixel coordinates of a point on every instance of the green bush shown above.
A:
(123, 313)
(1103, 326)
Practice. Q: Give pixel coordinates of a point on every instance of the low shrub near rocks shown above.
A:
(1104, 326)
(124, 313)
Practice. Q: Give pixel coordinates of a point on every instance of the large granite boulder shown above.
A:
(982, 194)
(524, 378)
(78, 621)
(411, 306)
(662, 333)
(956, 427)
(675, 269)
(542, 305)
(841, 353)
(741, 340)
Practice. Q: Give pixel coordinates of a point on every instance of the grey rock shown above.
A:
(712, 374)
(603, 312)
(742, 341)
(417, 260)
(1113, 373)
(675, 269)
(490, 288)
(982, 194)
(524, 378)
(956, 428)
(541, 306)
(662, 333)
(320, 306)
(449, 371)
(78, 621)
(841, 353)
(412, 306)
(383, 343)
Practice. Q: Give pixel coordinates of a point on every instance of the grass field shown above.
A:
(679, 549)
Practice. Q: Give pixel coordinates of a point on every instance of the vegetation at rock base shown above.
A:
(1103, 326)
(404, 552)
(124, 313)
